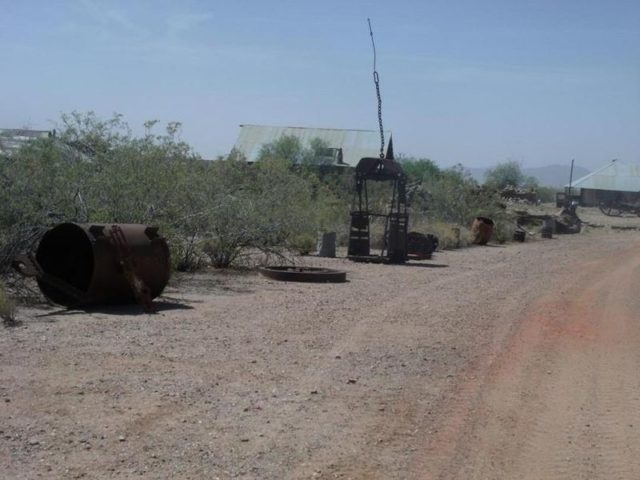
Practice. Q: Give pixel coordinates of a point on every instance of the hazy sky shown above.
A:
(475, 82)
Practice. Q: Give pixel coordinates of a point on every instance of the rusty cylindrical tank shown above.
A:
(102, 263)
(482, 230)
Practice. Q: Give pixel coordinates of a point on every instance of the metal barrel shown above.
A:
(91, 264)
(482, 230)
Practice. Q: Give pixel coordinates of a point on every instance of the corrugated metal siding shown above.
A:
(12, 139)
(589, 198)
(593, 198)
(355, 144)
(616, 176)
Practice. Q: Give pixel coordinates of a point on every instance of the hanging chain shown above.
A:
(376, 81)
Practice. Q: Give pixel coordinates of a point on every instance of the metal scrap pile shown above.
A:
(564, 222)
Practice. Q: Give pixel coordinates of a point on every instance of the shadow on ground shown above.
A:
(425, 265)
(166, 304)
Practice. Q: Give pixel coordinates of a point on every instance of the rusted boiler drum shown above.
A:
(102, 264)
(482, 230)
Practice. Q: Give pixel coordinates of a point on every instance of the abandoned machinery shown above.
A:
(292, 273)
(81, 265)
(394, 248)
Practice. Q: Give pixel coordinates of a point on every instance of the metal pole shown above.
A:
(567, 201)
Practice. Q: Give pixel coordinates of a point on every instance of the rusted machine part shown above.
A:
(519, 234)
(304, 274)
(568, 221)
(80, 265)
(421, 246)
(140, 290)
(28, 266)
(482, 230)
(616, 207)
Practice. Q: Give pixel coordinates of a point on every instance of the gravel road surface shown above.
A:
(498, 362)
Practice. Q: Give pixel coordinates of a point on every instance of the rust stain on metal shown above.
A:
(79, 265)
(294, 273)
(482, 230)
(395, 219)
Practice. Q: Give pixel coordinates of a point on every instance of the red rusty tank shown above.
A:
(102, 264)
(482, 230)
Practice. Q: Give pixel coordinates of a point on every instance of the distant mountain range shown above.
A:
(549, 176)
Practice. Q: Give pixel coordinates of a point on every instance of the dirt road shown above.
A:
(561, 399)
(489, 363)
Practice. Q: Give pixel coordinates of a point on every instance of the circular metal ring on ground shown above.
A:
(304, 274)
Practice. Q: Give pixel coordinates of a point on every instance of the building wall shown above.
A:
(11, 139)
(353, 144)
(592, 198)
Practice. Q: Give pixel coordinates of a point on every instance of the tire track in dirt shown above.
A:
(400, 434)
(450, 375)
(563, 401)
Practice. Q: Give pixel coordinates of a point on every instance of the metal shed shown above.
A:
(11, 139)
(350, 145)
(619, 181)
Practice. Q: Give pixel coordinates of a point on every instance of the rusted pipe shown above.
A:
(94, 264)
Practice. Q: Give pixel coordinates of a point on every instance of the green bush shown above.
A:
(96, 171)
(452, 196)
(445, 202)
(264, 206)
(211, 212)
(509, 174)
(303, 244)
(547, 194)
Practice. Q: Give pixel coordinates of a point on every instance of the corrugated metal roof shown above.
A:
(355, 144)
(11, 139)
(615, 176)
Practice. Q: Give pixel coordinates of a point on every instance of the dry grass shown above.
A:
(451, 236)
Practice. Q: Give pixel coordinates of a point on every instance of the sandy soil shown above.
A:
(496, 362)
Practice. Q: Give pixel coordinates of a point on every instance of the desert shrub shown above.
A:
(269, 206)
(419, 169)
(234, 224)
(39, 187)
(291, 150)
(96, 171)
(310, 194)
(454, 197)
(509, 174)
(445, 201)
(303, 243)
(547, 194)
(212, 212)
(287, 148)
(450, 235)
(504, 226)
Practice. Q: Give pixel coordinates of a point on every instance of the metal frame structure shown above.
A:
(394, 248)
